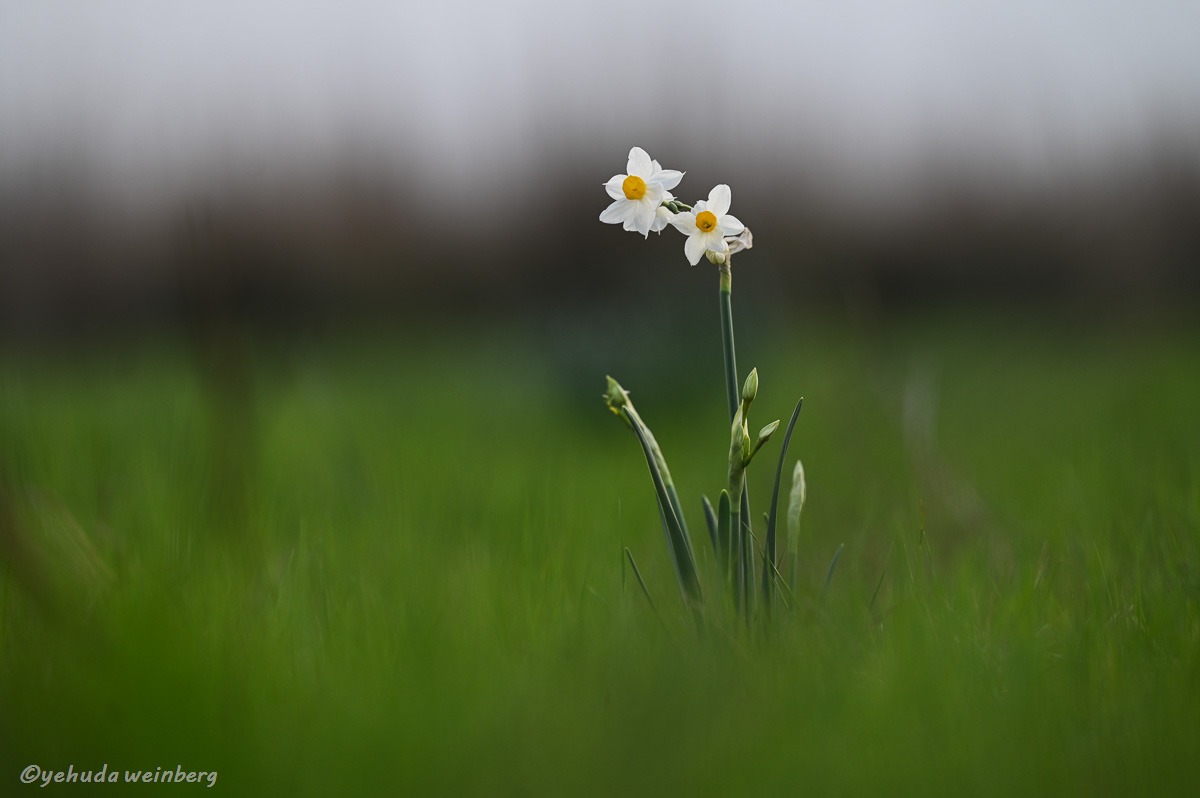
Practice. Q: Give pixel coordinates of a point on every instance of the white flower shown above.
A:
(638, 195)
(662, 215)
(707, 224)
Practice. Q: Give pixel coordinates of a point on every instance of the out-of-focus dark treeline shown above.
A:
(359, 240)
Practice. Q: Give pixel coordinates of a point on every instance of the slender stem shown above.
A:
(661, 462)
(795, 565)
(747, 572)
(770, 564)
(738, 577)
(731, 378)
(676, 533)
(724, 536)
(733, 393)
(645, 590)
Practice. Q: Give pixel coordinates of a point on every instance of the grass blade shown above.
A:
(769, 559)
(677, 536)
(882, 576)
(786, 595)
(832, 565)
(875, 595)
(724, 535)
(710, 518)
(637, 572)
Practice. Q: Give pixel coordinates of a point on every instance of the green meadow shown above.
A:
(391, 561)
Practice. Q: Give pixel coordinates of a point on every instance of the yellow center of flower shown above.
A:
(634, 187)
(706, 221)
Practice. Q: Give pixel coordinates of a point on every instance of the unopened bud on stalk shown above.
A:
(764, 435)
(739, 447)
(736, 429)
(750, 387)
(749, 391)
(715, 258)
(615, 397)
(796, 505)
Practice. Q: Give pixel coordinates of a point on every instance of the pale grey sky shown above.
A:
(147, 93)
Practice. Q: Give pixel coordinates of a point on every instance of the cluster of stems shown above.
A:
(729, 525)
(734, 527)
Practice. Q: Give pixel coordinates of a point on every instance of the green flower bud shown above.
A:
(764, 435)
(795, 506)
(750, 387)
(738, 447)
(615, 397)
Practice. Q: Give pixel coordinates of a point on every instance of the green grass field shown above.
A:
(391, 563)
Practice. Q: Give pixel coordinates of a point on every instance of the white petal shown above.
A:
(719, 199)
(654, 195)
(715, 242)
(702, 205)
(662, 218)
(668, 196)
(656, 167)
(615, 213)
(639, 163)
(669, 178)
(693, 248)
(613, 186)
(684, 223)
(730, 226)
(644, 217)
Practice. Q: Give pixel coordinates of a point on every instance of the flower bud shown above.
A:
(795, 505)
(615, 397)
(738, 446)
(715, 258)
(766, 432)
(750, 387)
(764, 435)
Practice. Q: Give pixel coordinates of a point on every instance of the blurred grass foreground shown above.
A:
(391, 561)
(306, 482)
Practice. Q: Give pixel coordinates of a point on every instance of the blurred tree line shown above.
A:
(326, 242)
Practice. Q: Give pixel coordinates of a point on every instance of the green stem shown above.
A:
(747, 571)
(731, 380)
(676, 533)
(769, 564)
(733, 394)
(738, 576)
(661, 462)
(795, 566)
(724, 536)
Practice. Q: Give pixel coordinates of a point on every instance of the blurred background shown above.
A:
(305, 310)
(292, 161)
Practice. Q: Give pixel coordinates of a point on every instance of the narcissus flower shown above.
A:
(638, 195)
(707, 224)
(663, 215)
